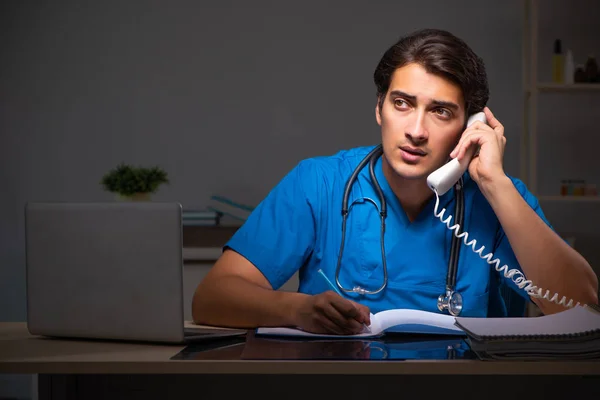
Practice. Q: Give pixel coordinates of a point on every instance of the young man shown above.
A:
(427, 85)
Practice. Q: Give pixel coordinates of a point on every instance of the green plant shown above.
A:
(128, 180)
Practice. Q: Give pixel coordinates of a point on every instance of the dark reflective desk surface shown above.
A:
(391, 347)
(404, 365)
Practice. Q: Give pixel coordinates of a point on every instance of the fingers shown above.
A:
(475, 134)
(364, 313)
(343, 324)
(351, 309)
(351, 316)
(340, 315)
(493, 122)
(345, 307)
(467, 140)
(330, 326)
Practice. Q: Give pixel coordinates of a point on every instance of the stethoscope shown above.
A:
(450, 300)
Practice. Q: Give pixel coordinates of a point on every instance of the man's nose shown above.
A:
(416, 128)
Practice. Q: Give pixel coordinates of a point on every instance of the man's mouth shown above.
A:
(413, 151)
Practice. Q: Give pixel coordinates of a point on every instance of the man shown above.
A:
(427, 85)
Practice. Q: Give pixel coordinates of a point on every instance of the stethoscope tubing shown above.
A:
(452, 273)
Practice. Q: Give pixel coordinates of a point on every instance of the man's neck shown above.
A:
(412, 194)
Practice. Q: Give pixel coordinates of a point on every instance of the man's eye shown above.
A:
(442, 112)
(400, 103)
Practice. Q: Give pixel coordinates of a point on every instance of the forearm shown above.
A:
(232, 301)
(546, 260)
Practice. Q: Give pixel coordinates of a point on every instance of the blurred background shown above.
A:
(228, 96)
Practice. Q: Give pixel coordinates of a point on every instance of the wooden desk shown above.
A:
(85, 369)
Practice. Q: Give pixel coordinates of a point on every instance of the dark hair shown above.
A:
(440, 53)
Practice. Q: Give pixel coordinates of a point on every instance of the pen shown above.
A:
(332, 286)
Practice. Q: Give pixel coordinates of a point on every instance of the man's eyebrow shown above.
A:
(447, 104)
(403, 94)
(412, 97)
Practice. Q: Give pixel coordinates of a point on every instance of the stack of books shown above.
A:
(220, 211)
(229, 208)
(201, 217)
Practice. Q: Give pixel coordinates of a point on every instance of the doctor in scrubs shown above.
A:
(428, 83)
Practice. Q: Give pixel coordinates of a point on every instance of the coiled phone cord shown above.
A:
(517, 276)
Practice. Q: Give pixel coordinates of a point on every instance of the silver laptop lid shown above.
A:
(105, 270)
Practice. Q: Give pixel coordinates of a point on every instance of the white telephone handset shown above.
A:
(440, 181)
(443, 178)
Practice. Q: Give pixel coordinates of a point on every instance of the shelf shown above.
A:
(562, 87)
(201, 253)
(570, 199)
(207, 236)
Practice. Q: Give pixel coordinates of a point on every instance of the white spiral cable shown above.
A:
(519, 280)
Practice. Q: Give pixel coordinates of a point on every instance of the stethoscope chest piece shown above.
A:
(451, 301)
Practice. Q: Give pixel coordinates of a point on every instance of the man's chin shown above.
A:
(411, 173)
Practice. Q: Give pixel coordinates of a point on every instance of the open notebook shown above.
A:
(573, 333)
(396, 320)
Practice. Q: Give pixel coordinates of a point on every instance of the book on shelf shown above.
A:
(389, 321)
(570, 334)
(230, 208)
(193, 217)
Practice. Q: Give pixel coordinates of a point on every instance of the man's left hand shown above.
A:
(485, 167)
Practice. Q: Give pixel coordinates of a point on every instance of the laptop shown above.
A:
(109, 270)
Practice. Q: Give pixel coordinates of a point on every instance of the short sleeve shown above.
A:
(503, 250)
(278, 236)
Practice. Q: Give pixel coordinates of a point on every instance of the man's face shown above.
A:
(421, 120)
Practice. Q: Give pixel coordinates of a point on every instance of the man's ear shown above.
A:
(378, 113)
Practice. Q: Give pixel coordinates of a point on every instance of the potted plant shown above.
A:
(134, 183)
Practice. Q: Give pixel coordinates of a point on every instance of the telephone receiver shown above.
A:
(443, 178)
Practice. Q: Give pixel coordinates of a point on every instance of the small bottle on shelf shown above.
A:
(591, 190)
(579, 187)
(558, 63)
(570, 187)
(580, 76)
(569, 68)
(564, 187)
(591, 69)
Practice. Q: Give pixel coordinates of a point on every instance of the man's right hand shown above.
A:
(330, 313)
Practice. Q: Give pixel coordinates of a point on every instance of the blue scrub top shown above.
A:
(297, 227)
